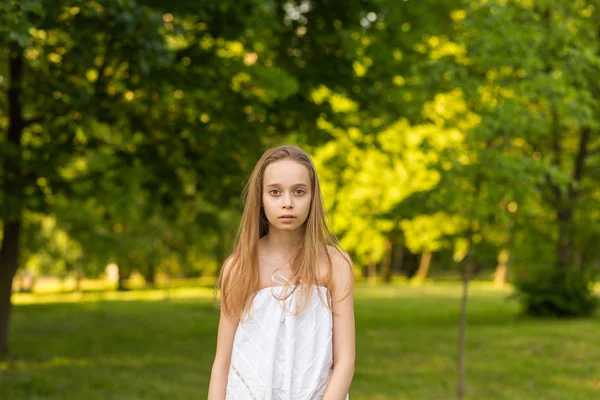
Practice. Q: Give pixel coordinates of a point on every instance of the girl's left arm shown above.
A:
(342, 290)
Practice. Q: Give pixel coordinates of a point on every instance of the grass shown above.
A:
(136, 345)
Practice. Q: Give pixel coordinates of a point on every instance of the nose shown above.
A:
(287, 201)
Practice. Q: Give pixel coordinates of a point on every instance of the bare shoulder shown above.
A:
(342, 273)
(339, 256)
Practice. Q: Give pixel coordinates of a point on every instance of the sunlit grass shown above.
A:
(56, 285)
(139, 295)
(138, 345)
(54, 291)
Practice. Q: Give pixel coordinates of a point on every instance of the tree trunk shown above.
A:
(463, 326)
(467, 264)
(398, 253)
(386, 267)
(150, 275)
(410, 264)
(564, 245)
(504, 263)
(121, 283)
(78, 279)
(13, 194)
(372, 272)
(500, 275)
(505, 255)
(565, 209)
(32, 282)
(424, 266)
(123, 276)
(9, 256)
(168, 275)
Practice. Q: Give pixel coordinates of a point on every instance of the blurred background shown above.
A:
(456, 142)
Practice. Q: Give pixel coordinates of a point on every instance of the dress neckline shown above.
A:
(280, 286)
(282, 281)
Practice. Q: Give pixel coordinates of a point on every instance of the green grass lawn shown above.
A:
(136, 345)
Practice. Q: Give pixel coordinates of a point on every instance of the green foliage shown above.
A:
(143, 119)
(15, 18)
(529, 71)
(556, 292)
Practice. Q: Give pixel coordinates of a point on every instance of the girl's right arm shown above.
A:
(220, 369)
(217, 386)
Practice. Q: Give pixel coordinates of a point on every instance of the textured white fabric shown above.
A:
(280, 356)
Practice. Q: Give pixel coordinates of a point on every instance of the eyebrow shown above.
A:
(279, 184)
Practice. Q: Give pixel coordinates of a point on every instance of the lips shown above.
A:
(287, 216)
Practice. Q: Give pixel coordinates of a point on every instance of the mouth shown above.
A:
(287, 217)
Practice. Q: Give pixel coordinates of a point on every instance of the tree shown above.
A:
(536, 73)
(85, 60)
(180, 98)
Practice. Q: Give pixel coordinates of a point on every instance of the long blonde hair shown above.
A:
(239, 277)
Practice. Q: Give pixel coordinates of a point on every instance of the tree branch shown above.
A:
(100, 81)
(40, 118)
(93, 175)
(593, 152)
(582, 155)
(31, 121)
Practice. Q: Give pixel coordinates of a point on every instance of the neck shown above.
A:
(283, 242)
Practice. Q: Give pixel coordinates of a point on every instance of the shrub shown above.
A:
(557, 292)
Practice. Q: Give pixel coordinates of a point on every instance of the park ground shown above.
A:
(140, 344)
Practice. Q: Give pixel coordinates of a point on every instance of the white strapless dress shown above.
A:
(280, 356)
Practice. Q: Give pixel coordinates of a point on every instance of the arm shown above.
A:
(220, 369)
(343, 328)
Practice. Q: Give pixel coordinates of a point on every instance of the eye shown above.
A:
(274, 190)
(300, 190)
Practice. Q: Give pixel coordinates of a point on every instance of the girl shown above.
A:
(286, 327)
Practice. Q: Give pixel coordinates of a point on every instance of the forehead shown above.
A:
(286, 173)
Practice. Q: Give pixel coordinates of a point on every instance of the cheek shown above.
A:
(268, 204)
(306, 204)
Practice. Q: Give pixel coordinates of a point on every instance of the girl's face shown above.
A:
(286, 192)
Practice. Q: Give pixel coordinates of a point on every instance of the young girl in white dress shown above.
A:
(286, 328)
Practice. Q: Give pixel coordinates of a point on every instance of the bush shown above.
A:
(557, 292)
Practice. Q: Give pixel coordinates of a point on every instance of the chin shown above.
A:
(294, 226)
(288, 227)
